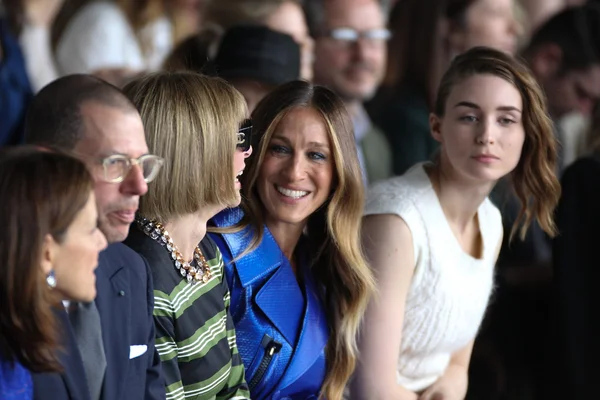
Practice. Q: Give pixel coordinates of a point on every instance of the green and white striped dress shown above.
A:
(195, 337)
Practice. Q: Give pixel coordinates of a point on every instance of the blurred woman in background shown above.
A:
(119, 39)
(445, 28)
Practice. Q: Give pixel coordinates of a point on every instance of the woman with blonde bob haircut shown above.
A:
(193, 122)
(294, 245)
(433, 235)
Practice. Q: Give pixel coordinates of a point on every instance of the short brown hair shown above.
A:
(534, 179)
(42, 193)
(192, 122)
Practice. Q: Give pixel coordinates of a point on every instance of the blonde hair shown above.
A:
(333, 232)
(192, 122)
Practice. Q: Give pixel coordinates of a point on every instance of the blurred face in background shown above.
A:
(350, 52)
(572, 91)
(289, 19)
(490, 23)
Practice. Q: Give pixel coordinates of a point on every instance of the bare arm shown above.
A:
(388, 244)
(454, 383)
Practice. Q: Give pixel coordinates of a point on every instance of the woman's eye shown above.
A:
(468, 118)
(276, 148)
(313, 155)
(507, 121)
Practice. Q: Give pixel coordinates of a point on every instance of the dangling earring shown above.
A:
(51, 280)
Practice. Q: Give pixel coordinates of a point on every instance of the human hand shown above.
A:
(450, 386)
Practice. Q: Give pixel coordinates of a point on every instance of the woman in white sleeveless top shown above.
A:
(433, 236)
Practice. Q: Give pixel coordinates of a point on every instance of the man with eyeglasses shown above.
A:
(109, 351)
(350, 57)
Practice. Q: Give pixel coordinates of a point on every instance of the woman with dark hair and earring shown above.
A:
(48, 252)
(299, 282)
(433, 236)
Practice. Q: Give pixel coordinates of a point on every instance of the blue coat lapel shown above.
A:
(113, 306)
(313, 336)
(302, 323)
(279, 298)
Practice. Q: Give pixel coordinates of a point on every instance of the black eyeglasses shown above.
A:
(245, 135)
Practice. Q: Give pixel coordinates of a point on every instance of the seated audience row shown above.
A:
(268, 305)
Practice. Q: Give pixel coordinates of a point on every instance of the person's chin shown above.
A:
(360, 91)
(116, 234)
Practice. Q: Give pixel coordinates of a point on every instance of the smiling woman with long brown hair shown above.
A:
(299, 282)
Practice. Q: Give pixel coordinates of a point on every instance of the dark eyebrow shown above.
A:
(476, 107)
(312, 144)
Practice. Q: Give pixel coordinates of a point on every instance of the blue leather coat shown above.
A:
(280, 325)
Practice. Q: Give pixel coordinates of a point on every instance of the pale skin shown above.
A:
(299, 158)
(352, 70)
(42, 12)
(75, 258)
(482, 116)
(189, 229)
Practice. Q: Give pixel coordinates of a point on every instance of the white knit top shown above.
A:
(99, 36)
(450, 289)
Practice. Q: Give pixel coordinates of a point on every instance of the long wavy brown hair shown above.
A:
(333, 232)
(42, 193)
(534, 178)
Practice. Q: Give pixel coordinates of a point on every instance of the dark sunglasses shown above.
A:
(245, 135)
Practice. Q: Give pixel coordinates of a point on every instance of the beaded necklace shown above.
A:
(194, 271)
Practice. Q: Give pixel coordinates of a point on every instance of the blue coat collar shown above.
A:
(248, 270)
(299, 317)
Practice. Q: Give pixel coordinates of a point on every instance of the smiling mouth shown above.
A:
(294, 194)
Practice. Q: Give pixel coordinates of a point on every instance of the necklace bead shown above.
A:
(197, 270)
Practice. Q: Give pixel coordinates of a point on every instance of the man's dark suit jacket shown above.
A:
(125, 302)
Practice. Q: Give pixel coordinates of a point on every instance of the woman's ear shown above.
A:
(49, 254)
(435, 125)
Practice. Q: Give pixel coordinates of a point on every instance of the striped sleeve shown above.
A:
(166, 346)
(195, 337)
(236, 387)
